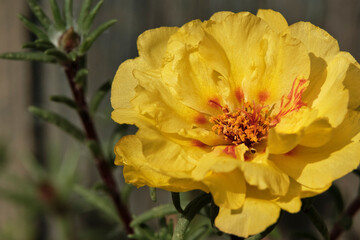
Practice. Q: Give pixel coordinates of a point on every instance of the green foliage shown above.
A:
(262, 234)
(20, 198)
(315, 217)
(33, 28)
(84, 12)
(85, 46)
(68, 12)
(80, 78)
(64, 100)
(200, 228)
(153, 196)
(48, 52)
(156, 212)
(98, 201)
(40, 45)
(126, 191)
(3, 156)
(39, 13)
(89, 18)
(175, 196)
(99, 96)
(29, 56)
(59, 121)
(335, 193)
(189, 213)
(59, 22)
(58, 54)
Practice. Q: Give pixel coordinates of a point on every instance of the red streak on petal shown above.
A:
(291, 102)
(230, 150)
(214, 102)
(197, 143)
(239, 94)
(263, 96)
(200, 119)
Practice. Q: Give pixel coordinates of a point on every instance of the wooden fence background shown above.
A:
(23, 84)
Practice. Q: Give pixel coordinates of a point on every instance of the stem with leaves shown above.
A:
(71, 69)
(70, 52)
(188, 214)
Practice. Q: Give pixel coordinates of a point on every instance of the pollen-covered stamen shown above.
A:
(251, 123)
(248, 125)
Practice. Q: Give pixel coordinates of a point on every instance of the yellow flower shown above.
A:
(256, 112)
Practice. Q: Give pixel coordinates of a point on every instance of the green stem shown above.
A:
(189, 213)
(317, 220)
(175, 196)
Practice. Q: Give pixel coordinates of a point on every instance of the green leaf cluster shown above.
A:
(63, 39)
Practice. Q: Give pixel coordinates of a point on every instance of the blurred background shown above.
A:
(24, 138)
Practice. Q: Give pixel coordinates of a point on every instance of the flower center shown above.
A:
(250, 124)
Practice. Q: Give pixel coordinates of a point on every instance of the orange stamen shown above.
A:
(250, 124)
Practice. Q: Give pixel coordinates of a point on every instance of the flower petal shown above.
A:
(352, 83)
(187, 74)
(253, 217)
(152, 45)
(310, 192)
(287, 134)
(123, 85)
(259, 57)
(299, 128)
(317, 167)
(291, 202)
(169, 167)
(220, 16)
(228, 189)
(220, 161)
(263, 174)
(333, 98)
(316, 40)
(275, 20)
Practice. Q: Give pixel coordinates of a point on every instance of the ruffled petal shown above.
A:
(228, 189)
(253, 217)
(123, 85)
(263, 174)
(352, 82)
(220, 16)
(186, 73)
(303, 127)
(333, 98)
(316, 168)
(259, 57)
(222, 159)
(316, 40)
(291, 202)
(150, 159)
(275, 20)
(310, 192)
(152, 45)
(288, 133)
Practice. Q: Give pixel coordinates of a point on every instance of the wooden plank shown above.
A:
(15, 122)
